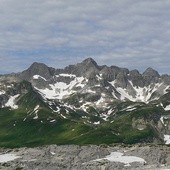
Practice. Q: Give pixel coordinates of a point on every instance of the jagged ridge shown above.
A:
(90, 95)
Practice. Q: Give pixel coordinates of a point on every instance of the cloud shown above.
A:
(127, 33)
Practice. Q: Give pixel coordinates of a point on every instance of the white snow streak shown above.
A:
(99, 77)
(35, 77)
(67, 75)
(131, 109)
(51, 121)
(36, 111)
(100, 101)
(110, 111)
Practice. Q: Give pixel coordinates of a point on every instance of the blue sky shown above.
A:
(126, 33)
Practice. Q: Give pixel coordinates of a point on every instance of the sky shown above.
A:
(128, 33)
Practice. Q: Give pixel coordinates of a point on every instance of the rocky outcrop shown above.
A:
(150, 76)
(37, 69)
(87, 157)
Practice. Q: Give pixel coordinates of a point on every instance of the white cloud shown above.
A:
(128, 33)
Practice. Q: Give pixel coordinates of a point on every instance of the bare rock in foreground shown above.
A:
(91, 157)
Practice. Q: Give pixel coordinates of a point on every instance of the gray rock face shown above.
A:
(3, 100)
(12, 89)
(37, 69)
(151, 73)
(136, 78)
(166, 78)
(108, 74)
(121, 80)
(113, 71)
(86, 68)
(150, 76)
(69, 157)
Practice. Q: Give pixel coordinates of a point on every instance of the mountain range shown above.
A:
(84, 104)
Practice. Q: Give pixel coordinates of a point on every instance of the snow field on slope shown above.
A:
(119, 157)
(7, 157)
(11, 102)
(142, 94)
(60, 89)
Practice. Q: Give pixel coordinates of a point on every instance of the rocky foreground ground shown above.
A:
(91, 157)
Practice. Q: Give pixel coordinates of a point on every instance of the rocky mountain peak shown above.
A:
(134, 72)
(151, 72)
(37, 66)
(37, 69)
(89, 61)
(88, 77)
(136, 78)
(85, 68)
(150, 76)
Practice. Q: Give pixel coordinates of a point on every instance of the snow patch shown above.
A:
(118, 157)
(124, 94)
(166, 89)
(142, 94)
(167, 139)
(60, 90)
(112, 83)
(51, 121)
(36, 117)
(110, 111)
(141, 128)
(67, 75)
(63, 116)
(85, 106)
(90, 91)
(99, 77)
(35, 77)
(7, 157)
(52, 153)
(36, 108)
(167, 108)
(36, 112)
(11, 102)
(96, 123)
(104, 116)
(100, 101)
(130, 109)
(2, 92)
(162, 119)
